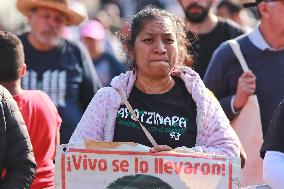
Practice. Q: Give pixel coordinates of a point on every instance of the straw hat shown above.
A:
(73, 18)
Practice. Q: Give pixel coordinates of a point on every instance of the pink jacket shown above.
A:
(214, 133)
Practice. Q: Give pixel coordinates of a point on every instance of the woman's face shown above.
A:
(156, 48)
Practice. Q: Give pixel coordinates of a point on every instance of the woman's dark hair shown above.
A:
(151, 13)
(139, 181)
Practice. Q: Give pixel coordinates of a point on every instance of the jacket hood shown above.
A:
(124, 82)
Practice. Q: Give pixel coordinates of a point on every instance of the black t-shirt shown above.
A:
(66, 74)
(274, 140)
(169, 117)
(205, 44)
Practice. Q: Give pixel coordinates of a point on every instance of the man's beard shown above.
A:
(196, 17)
(48, 40)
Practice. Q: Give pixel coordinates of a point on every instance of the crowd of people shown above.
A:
(76, 75)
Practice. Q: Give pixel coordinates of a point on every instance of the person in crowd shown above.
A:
(233, 9)
(273, 150)
(210, 30)
(107, 66)
(229, 9)
(61, 68)
(109, 16)
(263, 50)
(39, 112)
(17, 162)
(169, 98)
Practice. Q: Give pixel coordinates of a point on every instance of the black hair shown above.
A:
(139, 181)
(11, 56)
(232, 6)
(151, 13)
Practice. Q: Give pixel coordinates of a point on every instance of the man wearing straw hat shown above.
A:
(61, 68)
(263, 50)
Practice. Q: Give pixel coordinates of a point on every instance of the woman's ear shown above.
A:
(131, 55)
(129, 51)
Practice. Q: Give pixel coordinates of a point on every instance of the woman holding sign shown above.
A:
(170, 102)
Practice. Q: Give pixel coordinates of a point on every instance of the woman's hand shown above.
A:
(160, 148)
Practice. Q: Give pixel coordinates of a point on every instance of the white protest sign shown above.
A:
(89, 169)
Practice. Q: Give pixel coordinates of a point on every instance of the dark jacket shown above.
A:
(16, 153)
(274, 140)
